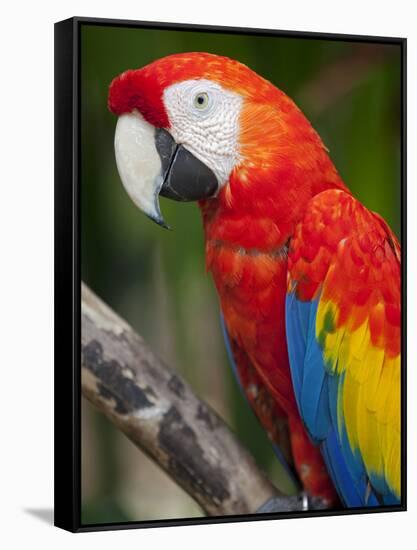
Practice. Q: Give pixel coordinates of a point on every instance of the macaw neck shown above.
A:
(283, 165)
(260, 209)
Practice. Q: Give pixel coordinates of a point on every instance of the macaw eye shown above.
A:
(201, 101)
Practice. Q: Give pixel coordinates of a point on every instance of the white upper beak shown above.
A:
(138, 162)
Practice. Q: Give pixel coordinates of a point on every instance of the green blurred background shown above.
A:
(156, 279)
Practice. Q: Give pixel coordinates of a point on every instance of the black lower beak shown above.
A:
(185, 177)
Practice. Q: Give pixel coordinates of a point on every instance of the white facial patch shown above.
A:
(205, 119)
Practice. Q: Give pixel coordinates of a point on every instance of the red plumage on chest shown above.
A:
(251, 284)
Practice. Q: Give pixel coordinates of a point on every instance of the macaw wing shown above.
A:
(343, 334)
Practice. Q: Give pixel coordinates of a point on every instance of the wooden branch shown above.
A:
(159, 412)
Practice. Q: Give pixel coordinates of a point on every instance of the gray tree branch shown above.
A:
(159, 412)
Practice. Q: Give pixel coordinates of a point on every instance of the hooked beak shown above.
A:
(150, 163)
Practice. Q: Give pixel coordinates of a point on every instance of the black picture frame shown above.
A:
(68, 280)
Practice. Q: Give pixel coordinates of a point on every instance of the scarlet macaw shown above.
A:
(308, 279)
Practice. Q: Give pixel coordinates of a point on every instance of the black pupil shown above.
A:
(200, 100)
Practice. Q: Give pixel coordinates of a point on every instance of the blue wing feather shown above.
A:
(316, 394)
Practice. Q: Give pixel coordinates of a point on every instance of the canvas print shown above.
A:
(240, 247)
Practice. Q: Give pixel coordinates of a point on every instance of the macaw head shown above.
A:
(197, 126)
